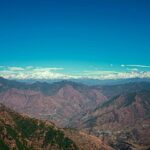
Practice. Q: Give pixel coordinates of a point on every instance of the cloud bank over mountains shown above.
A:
(47, 73)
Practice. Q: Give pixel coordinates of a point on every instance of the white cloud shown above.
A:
(31, 72)
(37, 73)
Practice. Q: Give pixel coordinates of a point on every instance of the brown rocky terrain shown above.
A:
(58, 103)
(24, 133)
(116, 114)
(123, 118)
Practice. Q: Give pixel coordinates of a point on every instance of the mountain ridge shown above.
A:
(126, 117)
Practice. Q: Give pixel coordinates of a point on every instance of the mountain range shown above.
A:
(118, 115)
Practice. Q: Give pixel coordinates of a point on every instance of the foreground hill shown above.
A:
(24, 133)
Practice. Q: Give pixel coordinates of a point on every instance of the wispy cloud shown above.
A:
(123, 65)
(141, 66)
(15, 68)
(133, 69)
(46, 69)
(98, 72)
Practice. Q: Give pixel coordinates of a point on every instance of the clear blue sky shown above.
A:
(74, 32)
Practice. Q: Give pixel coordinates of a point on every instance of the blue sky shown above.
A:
(82, 37)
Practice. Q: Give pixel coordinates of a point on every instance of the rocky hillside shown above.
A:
(113, 90)
(62, 101)
(24, 133)
(57, 102)
(124, 118)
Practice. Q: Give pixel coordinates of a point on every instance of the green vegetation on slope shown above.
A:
(3, 146)
(24, 133)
